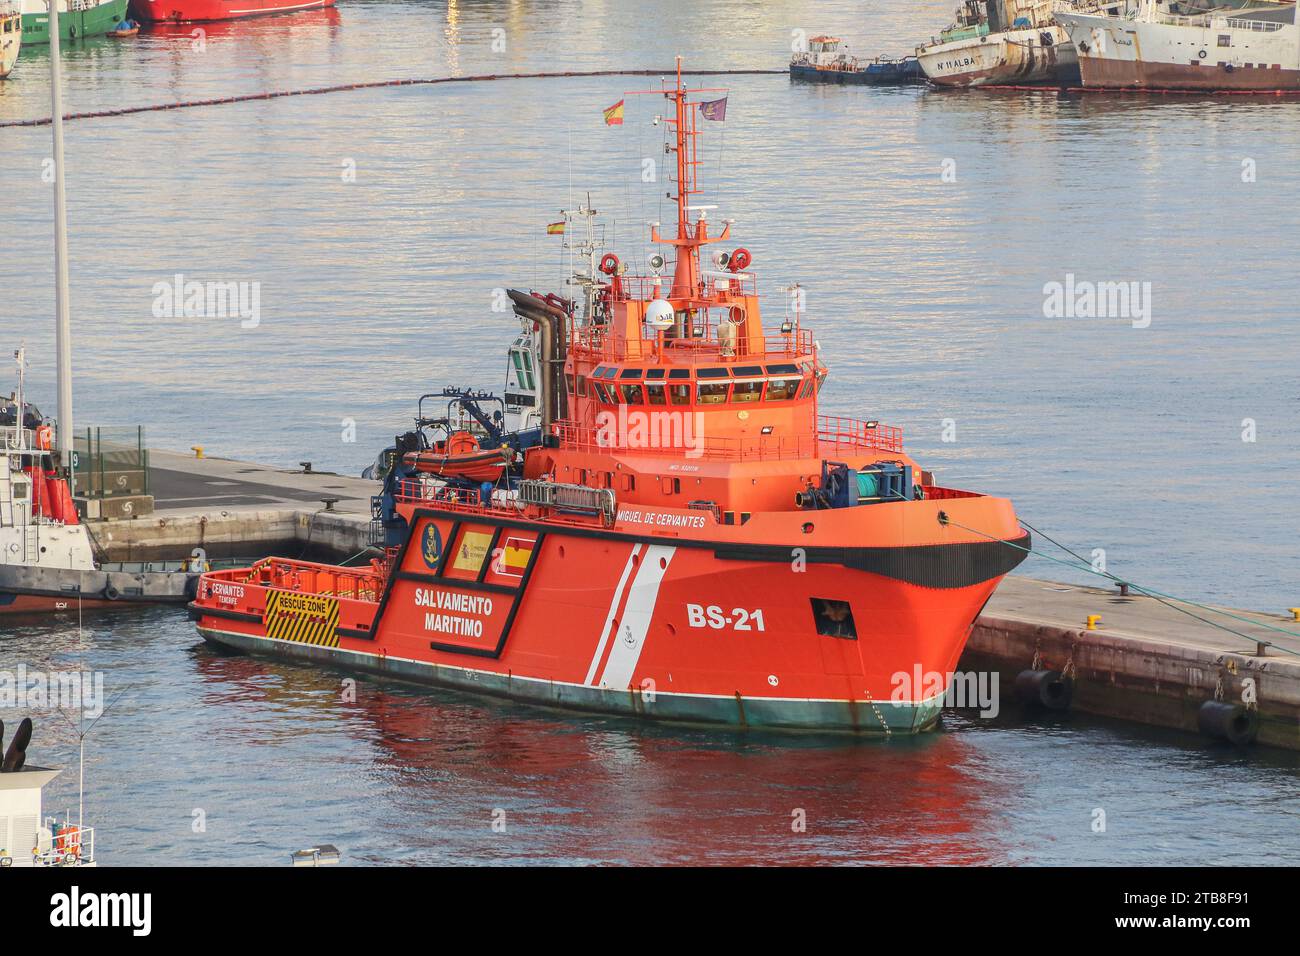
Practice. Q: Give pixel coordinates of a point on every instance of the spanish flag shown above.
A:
(555, 228)
(614, 114)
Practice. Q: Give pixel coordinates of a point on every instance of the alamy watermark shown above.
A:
(192, 299)
(67, 690)
(630, 428)
(967, 689)
(1082, 299)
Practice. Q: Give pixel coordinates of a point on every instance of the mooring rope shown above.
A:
(375, 84)
(1159, 596)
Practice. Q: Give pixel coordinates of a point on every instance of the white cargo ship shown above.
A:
(1181, 46)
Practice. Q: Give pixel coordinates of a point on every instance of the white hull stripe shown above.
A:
(640, 610)
(613, 613)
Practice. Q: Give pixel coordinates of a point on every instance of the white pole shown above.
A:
(63, 323)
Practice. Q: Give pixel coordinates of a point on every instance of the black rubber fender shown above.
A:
(1234, 723)
(110, 592)
(1050, 690)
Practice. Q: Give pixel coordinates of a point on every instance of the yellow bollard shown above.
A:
(1093, 621)
(1295, 613)
(198, 450)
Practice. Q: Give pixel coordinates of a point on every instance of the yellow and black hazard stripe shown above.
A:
(302, 618)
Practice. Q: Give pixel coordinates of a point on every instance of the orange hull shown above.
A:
(670, 625)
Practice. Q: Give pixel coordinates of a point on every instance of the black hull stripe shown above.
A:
(927, 565)
(957, 565)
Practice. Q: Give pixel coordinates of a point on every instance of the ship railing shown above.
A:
(310, 577)
(70, 845)
(705, 347)
(641, 287)
(834, 436)
(1254, 26)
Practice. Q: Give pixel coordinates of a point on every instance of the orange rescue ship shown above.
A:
(678, 534)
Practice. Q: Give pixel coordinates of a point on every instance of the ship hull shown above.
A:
(73, 24)
(39, 590)
(660, 628)
(193, 11)
(1017, 58)
(889, 74)
(1128, 54)
(11, 42)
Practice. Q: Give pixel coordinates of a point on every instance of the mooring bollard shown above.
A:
(1093, 621)
(1295, 613)
(198, 450)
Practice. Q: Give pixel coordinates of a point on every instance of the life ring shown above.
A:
(111, 593)
(740, 260)
(1228, 68)
(1201, 54)
(609, 264)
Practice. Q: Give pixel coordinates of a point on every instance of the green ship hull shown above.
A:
(74, 24)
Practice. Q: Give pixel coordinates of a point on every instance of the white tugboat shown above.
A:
(47, 555)
(1001, 42)
(11, 36)
(1186, 46)
(28, 838)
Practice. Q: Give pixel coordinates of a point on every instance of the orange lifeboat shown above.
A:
(461, 456)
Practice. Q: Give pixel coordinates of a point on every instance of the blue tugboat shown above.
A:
(827, 62)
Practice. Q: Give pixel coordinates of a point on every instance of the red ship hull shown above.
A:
(189, 11)
(661, 626)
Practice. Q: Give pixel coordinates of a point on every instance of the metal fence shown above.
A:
(110, 462)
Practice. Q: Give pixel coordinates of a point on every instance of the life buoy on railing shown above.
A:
(740, 260)
(609, 264)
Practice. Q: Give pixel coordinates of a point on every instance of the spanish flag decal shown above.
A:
(555, 228)
(515, 555)
(614, 114)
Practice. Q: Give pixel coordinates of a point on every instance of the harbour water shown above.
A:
(924, 227)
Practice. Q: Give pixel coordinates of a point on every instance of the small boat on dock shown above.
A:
(686, 537)
(1001, 43)
(197, 11)
(828, 61)
(77, 19)
(11, 36)
(1184, 45)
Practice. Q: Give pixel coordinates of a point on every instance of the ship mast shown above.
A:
(690, 235)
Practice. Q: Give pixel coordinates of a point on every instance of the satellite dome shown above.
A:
(659, 313)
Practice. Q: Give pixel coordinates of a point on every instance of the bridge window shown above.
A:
(632, 394)
(681, 394)
(781, 389)
(654, 373)
(655, 393)
(582, 386)
(631, 373)
(747, 391)
(602, 393)
(713, 393)
(679, 373)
